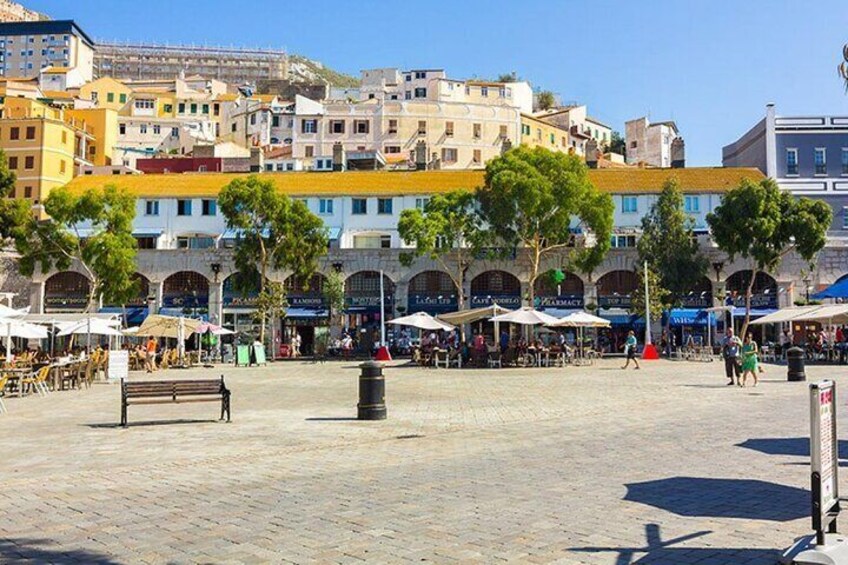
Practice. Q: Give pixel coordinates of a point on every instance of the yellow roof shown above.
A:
(265, 97)
(58, 94)
(56, 70)
(227, 97)
(381, 183)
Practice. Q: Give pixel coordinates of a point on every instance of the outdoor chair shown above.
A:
(165, 362)
(455, 359)
(494, 360)
(440, 357)
(37, 381)
(4, 379)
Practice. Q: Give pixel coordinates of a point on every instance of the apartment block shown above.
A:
(28, 47)
(650, 143)
(581, 127)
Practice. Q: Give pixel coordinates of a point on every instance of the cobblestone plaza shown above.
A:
(585, 465)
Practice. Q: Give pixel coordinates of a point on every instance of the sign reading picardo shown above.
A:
(824, 464)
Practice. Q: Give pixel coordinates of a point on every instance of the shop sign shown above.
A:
(366, 302)
(66, 302)
(697, 301)
(759, 301)
(185, 301)
(432, 304)
(306, 301)
(506, 300)
(623, 301)
(563, 302)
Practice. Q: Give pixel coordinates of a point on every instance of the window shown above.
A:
(195, 242)
(15, 133)
(448, 129)
(110, 97)
(253, 119)
(503, 132)
(29, 163)
(309, 151)
(143, 103)
(123, 100)
(623, 241)
(384, 205)
(422, 127)
(478, 131)
(30, 132)
(361, 126)
(553, 139)
(157, 129)
(146, 242)
(633, 145)
(393, 126)
(420, 74)
(183, 207)
(845, 161)
(845, 217)
(421, 203)
(629, 204)
(275, 121)
(193, 108)
(820, 160)
(360, 206)
(205, 108)
(484, 91)
(692, 204)
(525, 129)
(392, 149)
(216, 109)
(408, 95)
(122, 129)
(478, 157)
(209, 208)
(791, 161)
(372, 241)
(309, 126)
(409, 78)
(181, 108)
(142, 129)
(421, 92)
(27, 192)
(449, 155)
(151, 207)
(325, 206)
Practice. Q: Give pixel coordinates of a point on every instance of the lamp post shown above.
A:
(807, 281)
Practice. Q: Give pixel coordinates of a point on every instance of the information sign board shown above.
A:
(259, 354)
(119, 365)
(824, 464)
(242, 356)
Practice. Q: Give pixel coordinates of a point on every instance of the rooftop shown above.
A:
(380, 183)
(45, 27)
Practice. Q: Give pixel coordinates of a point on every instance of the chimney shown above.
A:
(592, 154)
(678, 153)
(338, 157)
(421, 155)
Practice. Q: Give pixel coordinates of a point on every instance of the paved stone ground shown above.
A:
(579, 465)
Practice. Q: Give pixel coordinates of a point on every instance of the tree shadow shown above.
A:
(37, 551)
(333, 419)
(657, 551)
(793, 446)
(722, 498)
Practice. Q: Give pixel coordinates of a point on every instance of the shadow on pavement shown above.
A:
(36, 551)
(722, 498)
(658, 551)
(111, 425)
(333, 419)
(797, 446)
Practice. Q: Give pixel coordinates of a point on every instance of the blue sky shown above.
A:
(711, 66)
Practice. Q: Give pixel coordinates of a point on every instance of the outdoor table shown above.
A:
(15, 375)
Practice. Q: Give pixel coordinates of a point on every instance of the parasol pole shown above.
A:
(382, 312)
(647, 309)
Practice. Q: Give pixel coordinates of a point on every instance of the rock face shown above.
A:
(12, 281)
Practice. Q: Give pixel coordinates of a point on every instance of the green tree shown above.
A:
(508, 77)
(106, 254)
(762, 224)
(14, 213)
(275, 232)
(447, 231)
(546, 100)
(658, 296)
(617, 144)
(538, 199)
(334, 294)
(669, 245)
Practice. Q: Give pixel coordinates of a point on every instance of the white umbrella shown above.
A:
(11, 327)
(93, 326)
(131, 331)
(168, 326)
(422, 321)
(527, 317)
(6, 312)
(581, 320)
(213, 329)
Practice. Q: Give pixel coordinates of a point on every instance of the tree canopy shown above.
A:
(544, 201)
(669, 245)
(762, 224)
(274, 233)
(447, 231)
(105, 252)
(617, 144)
(546, 100)
(658, 296)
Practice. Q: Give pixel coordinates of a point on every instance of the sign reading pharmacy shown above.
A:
(824, 464)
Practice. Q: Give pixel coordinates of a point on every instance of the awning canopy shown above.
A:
(739, 312)
(785, 315)
(306, 313)
(471, 316)
(689, 317)
(839, 289)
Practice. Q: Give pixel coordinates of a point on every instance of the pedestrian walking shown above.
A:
(750, 361)
(150, 357)
(630, 350)
(731, 347)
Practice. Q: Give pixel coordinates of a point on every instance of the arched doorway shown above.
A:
(566, 294)
(700, 295)
(432, 292)
(238, 302)
(185, 293)
(764, 293)
(495, 287)
(308, 314)
(67, 291)
(363, 308)
(615, 289)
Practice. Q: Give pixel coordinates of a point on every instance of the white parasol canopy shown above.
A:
(422, 321)
(526, 316)
(213, 329)
(168, 326)
(6, 312)
(471, 316)
(581, 320)
(93, 326)
(10, 327)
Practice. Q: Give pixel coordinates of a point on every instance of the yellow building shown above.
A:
(44, 146)
(106, 92)
(102, 123)
(538, 133)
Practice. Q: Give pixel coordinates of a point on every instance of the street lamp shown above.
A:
(807, 280)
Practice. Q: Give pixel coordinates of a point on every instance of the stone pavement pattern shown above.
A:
(579, 465)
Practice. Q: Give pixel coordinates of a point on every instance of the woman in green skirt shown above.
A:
(749, 360)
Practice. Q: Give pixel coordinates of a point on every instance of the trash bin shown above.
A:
(372, 392)
(795, 364)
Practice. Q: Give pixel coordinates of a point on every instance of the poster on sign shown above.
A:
(119, 365)
(824, 454)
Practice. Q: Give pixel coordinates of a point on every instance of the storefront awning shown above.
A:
(306, 313)
(689, 317)
(739, 312)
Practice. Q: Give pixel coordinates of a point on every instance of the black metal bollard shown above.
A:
(372, 392)
(795, 364)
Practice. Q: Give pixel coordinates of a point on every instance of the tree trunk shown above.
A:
(262, 311)
(749, 292)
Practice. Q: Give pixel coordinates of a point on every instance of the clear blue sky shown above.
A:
(710, 65)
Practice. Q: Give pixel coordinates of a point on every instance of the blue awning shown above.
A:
(233, 234)
(839, 289)
(560, 312)
(180, 313)
(689, 317)
(306, 313)
(334, 233)
(739, 312)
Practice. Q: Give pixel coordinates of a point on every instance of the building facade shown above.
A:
(150, 61)
(650, 143)
(14, 12)
(30, 46)
(806, 155)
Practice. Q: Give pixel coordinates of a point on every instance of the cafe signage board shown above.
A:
(824, 464)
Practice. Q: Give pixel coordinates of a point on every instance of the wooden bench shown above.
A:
(174, 392)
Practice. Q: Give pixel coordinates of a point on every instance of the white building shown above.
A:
(650, 143)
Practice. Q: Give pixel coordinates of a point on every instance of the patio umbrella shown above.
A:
(93, 326)
(422, 321)
(168, 326)
(6, 312)
(527, 317)
(838, 289)
(581, 320)
(474, 315)
(12, 327)
(213, 329)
